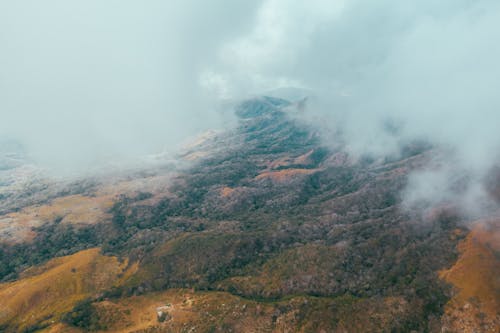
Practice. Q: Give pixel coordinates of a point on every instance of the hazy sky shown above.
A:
(89, 80)
(84, 81)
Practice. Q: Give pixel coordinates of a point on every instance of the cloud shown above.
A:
(83, 82)
(429, 67)
(90, 81)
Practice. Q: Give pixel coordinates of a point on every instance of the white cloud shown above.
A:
(430, 67)
(82, 82)
(88, 80)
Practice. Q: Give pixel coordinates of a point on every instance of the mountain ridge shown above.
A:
(269, 217)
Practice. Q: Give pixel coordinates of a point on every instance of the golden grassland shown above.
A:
(475, 307)
(200, 311)
(44, 293)
(188, 311)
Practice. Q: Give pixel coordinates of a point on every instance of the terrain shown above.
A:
(262, 228)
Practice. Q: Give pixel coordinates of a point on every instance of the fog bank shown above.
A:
(86, 82)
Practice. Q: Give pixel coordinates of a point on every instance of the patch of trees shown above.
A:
(52, 240)
(84, 315)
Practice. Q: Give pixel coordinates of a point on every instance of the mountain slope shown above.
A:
(44, 293)
(271, 230)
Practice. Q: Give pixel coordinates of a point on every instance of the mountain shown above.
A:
(267, 229)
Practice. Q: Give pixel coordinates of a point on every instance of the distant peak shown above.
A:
(260, 106)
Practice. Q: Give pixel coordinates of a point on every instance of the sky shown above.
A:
(83, 82)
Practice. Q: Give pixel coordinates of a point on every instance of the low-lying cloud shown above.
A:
(92, 80)
(430, 68)
(84, 82)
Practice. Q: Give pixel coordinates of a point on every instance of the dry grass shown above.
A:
(45, 293)
(189, 311)
(222, 312)
(78, 209)
(61, 328)
(476, 275)
(226, 191)
(285, 174)
(288, 161)
(73, 209)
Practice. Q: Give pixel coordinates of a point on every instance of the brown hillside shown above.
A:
(190, 311)
(46, 292)
(476, 275)
(77, 209)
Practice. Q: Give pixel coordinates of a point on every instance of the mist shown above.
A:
(85, 82)
(431, 69)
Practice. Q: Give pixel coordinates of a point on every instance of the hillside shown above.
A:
(268, 229)
(474, 307)
(42, 294)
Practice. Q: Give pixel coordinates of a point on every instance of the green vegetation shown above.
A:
(84, 315)
(52, 240)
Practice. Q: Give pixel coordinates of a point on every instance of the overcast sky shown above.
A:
(86, 81)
